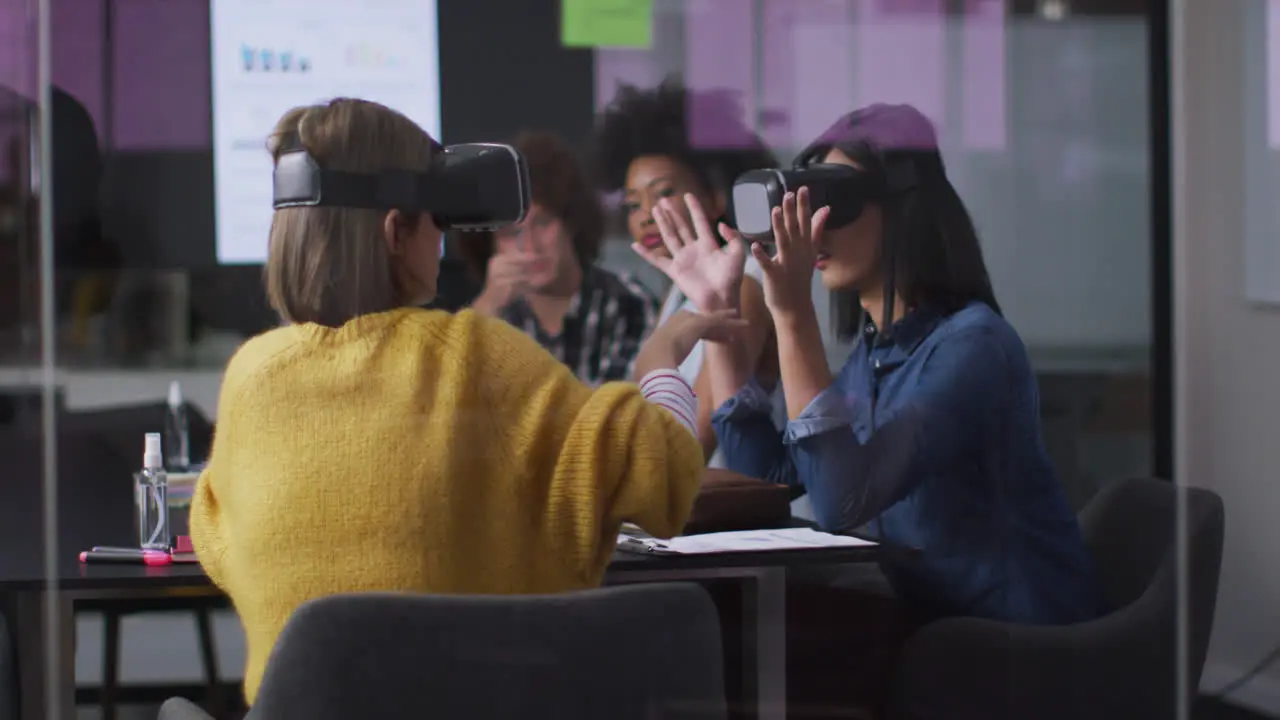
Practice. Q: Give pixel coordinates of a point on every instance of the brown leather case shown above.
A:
(729, 501)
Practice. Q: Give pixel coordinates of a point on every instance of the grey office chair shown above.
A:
(1119, 667)
(638, 652)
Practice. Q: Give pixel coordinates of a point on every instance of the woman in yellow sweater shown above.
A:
(371, 445)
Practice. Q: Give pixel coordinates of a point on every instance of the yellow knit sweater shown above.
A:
(417, 450)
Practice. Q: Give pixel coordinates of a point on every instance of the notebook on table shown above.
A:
(740, 541)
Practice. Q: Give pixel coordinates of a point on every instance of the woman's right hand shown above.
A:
(710, 276)
(503, 283)
(674, 339)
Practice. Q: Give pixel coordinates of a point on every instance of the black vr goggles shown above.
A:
(474, 186)
(846, 190)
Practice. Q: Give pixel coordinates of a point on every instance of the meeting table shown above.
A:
(41, 613)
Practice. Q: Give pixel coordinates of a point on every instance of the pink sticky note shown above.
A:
(162, 75)
(78, 54)
(808, 81)
(720, 40)
(900, 51)
(982, 106)
(622, 66)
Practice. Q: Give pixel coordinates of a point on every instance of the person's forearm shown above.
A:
(729, 366)
(802, 359)
(706, 433)
(753, 447)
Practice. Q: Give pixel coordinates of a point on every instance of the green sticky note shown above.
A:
(606, 23)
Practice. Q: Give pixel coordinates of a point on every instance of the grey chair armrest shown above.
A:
(180, 709)
(975, 668)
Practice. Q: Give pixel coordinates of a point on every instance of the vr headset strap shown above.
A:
(401, 189)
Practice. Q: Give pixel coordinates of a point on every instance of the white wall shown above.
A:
(1228, 402)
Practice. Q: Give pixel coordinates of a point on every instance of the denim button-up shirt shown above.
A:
(929, 438)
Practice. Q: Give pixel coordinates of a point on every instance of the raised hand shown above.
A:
(710, 276)
(788, 275)
(504, 282)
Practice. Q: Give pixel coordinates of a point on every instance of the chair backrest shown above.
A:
(95, 493)
(644, 652)
(98, 452)
(1132, 529)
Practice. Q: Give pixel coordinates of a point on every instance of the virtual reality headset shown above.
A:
(474, 186)
(845, 189)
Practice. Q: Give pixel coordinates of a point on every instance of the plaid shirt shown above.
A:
(608, 319)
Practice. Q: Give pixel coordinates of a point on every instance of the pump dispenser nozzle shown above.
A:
(152, 457)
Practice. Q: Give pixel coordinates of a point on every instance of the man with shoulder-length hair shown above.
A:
(541, 277)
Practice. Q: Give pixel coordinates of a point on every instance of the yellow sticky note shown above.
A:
(606, 23)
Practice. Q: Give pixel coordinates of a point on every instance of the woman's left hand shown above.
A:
(788, 275)
(710, 276)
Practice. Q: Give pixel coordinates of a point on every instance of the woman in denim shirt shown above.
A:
(929, 436)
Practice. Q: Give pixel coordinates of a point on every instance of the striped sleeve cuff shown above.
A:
(668, 390)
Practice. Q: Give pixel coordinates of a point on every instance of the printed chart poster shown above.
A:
(272, 55)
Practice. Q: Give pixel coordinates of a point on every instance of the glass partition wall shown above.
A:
(1049, 120)
(30, 552)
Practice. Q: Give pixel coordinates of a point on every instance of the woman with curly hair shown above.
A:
(643, 150)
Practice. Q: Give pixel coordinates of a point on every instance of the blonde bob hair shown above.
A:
(328, 265)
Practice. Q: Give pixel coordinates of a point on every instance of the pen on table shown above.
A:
(150, 558)
(127, 551)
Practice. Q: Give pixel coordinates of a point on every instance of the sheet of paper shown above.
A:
(606, 23)
(741, 541)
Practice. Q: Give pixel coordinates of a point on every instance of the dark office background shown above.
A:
(152, 116)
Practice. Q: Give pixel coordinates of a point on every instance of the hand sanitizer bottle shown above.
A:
(177, 442)
(151, 493)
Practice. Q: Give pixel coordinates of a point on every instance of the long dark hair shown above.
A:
(929, 247)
